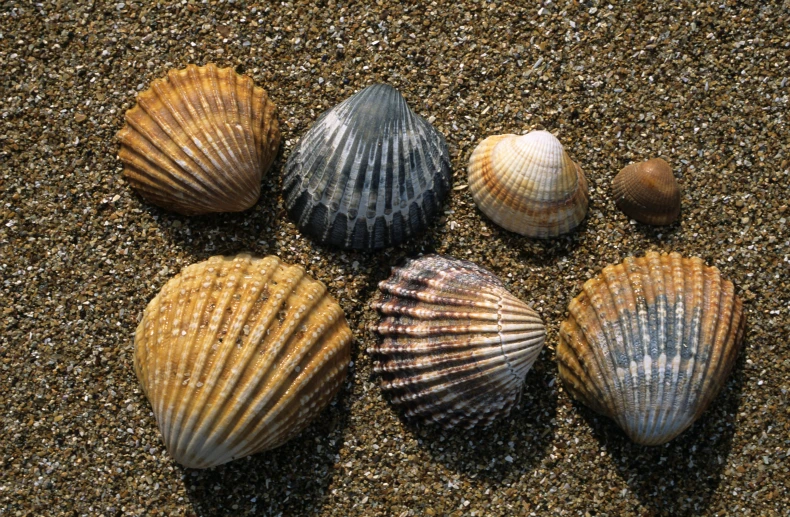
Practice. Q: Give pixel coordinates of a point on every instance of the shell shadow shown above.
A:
(228, 233)
(290, 480)
(506, 448)
(678, 478)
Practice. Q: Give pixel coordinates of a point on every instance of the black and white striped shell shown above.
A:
(456, 344)
(369, 174)
(649, 343)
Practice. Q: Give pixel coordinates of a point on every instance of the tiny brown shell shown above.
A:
(648, 192)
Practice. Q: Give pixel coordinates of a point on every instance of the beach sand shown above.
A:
(81, 254)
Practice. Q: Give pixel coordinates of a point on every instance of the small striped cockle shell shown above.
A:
(237, 355)
(528, 184)
(369, 174)
(456, 345)
(650, 342)
(648, 192)
(199, 141)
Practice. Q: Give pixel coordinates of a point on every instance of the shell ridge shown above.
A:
(139, 172)
(260, 412)
(197, 177)
(320, 367)
(182, 135)
(605, 357)
(223, 327)
(618, 284)
(220, 136)
(240, 353)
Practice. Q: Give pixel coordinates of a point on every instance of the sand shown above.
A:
(81, 254)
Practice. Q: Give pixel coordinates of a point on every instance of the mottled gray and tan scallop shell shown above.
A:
(649, 343)
(237, 355)
(369, 174)
(528, 184)
(199, 141)
(648, 192)
(456, 345)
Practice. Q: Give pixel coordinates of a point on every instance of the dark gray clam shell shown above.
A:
(369, 174)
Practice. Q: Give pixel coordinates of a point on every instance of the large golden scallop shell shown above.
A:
(528, 184)
(456, 344)
(199, 141)
(648, 192)
(237, 355)
(650, 342)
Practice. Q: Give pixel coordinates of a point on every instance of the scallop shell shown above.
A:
(369, 174)
(199, 141)
(650, 342)
(648, 192)
(528, 184)
(456, 344)
(237, 355)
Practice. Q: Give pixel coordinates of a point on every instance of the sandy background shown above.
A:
(705, 87)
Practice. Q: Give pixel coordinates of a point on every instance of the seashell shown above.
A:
(237, 355)
(199, 141)
(528, 184)
(456, 344)
(648, 192)
(650, 342)
(369, 174)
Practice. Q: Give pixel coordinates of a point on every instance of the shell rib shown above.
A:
(456, 344)
(528, 184)
(199, 141)
(648, 192)
(369, 174)
(237, 355)
(650, 342)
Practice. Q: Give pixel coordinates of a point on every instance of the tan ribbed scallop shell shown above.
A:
(528, 184)
(650, 342)
(237, 355)
(199, 141)
(456, 344)
(648, 192)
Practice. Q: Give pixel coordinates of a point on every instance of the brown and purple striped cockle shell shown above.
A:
(456, 345)
(648, 192)
(650, 342)
(528, 184)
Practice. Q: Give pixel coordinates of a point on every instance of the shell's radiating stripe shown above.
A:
(199, 140)
(650, 342)
(237, 355)
(528, 184)
(456, 345)
(368, 174)
(648, 192)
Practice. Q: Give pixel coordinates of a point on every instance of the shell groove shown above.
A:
(369, 174)
(528, 184)
(648, 192)
(199, 141)
(650, 342)
(237, 355)
(456, 344)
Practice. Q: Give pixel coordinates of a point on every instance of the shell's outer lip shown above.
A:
(649, 343)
